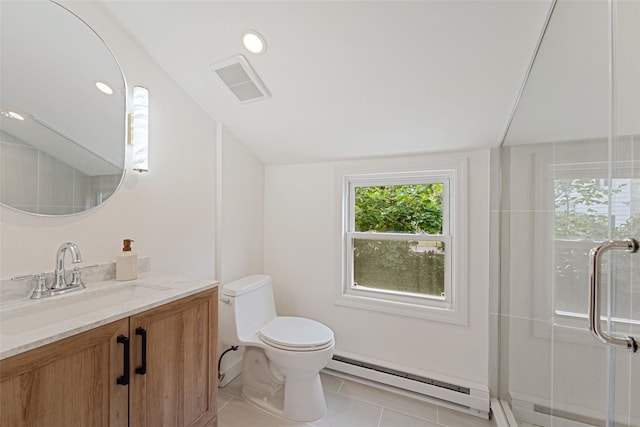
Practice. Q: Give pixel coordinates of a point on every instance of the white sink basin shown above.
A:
(39, 314)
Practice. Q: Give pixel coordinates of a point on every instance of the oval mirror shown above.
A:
(62, 140)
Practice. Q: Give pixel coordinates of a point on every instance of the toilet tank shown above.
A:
(247, 305)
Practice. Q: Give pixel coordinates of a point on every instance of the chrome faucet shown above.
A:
(59, 282)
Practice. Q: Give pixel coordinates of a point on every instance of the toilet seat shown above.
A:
(296, 334)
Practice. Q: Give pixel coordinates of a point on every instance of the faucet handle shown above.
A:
(76, 280)
(41, 290)
(27, 276)
(86, 267)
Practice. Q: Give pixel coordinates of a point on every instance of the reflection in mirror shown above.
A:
(62, 139)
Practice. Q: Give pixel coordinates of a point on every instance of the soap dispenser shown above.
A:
(127, 263)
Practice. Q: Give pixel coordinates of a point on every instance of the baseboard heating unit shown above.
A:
(469, 398)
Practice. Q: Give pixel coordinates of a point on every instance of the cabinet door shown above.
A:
(179, 388)
(69, 383)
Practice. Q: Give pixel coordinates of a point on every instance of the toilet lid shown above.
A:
(296, 334)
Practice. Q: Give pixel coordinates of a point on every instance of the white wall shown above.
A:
(169, 211)
(240, 209)
(240, 224)
(301, 240)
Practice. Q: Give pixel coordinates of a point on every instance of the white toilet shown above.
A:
(284, 355)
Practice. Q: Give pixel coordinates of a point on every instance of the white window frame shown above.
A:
(453, 307)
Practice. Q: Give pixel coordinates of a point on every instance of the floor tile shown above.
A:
(223, 399)
(396, 419)
(345, 411)
(234, 388)
(350, 404)
(387, 399)
(238, 413)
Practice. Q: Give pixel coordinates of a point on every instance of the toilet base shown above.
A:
(304, 399)
(300, 400)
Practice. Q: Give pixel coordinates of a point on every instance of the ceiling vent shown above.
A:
(241, 79)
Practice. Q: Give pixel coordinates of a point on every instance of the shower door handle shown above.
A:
(595, 261)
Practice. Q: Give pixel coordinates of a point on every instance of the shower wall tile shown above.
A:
(102, 187)
(627, 147)
(580, 374)
(529, 348)
(627, 387)
(526, 178)
(581, 151)
(18, 174)
(56, 183)
(81, 190)
(527, 266)
(34, 181)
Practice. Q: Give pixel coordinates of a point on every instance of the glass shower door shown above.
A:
(570, 182)
(621, 303)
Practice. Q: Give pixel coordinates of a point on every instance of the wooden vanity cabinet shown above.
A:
(74, 382)
(179, 387)
(68, 383)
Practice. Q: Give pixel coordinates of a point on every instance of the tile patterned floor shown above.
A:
(350, 404)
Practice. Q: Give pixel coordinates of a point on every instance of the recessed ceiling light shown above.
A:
(254, 42)
(12, 115)
(104, 88)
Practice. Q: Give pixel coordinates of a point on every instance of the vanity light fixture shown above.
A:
(104, 88)
(11, 115)
(139, 129)
(254, 42)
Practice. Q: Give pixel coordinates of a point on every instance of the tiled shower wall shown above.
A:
(33, 181)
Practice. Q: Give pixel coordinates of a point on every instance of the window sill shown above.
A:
(445, 313)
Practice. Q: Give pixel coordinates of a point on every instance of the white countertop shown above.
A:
(61, 316)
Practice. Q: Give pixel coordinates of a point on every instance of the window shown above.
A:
(399, 244)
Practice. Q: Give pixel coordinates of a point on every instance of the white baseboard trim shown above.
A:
(464, 397)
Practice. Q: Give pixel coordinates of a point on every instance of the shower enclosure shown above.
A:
(570, 181)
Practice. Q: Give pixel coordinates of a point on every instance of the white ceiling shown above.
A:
(350, 78)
